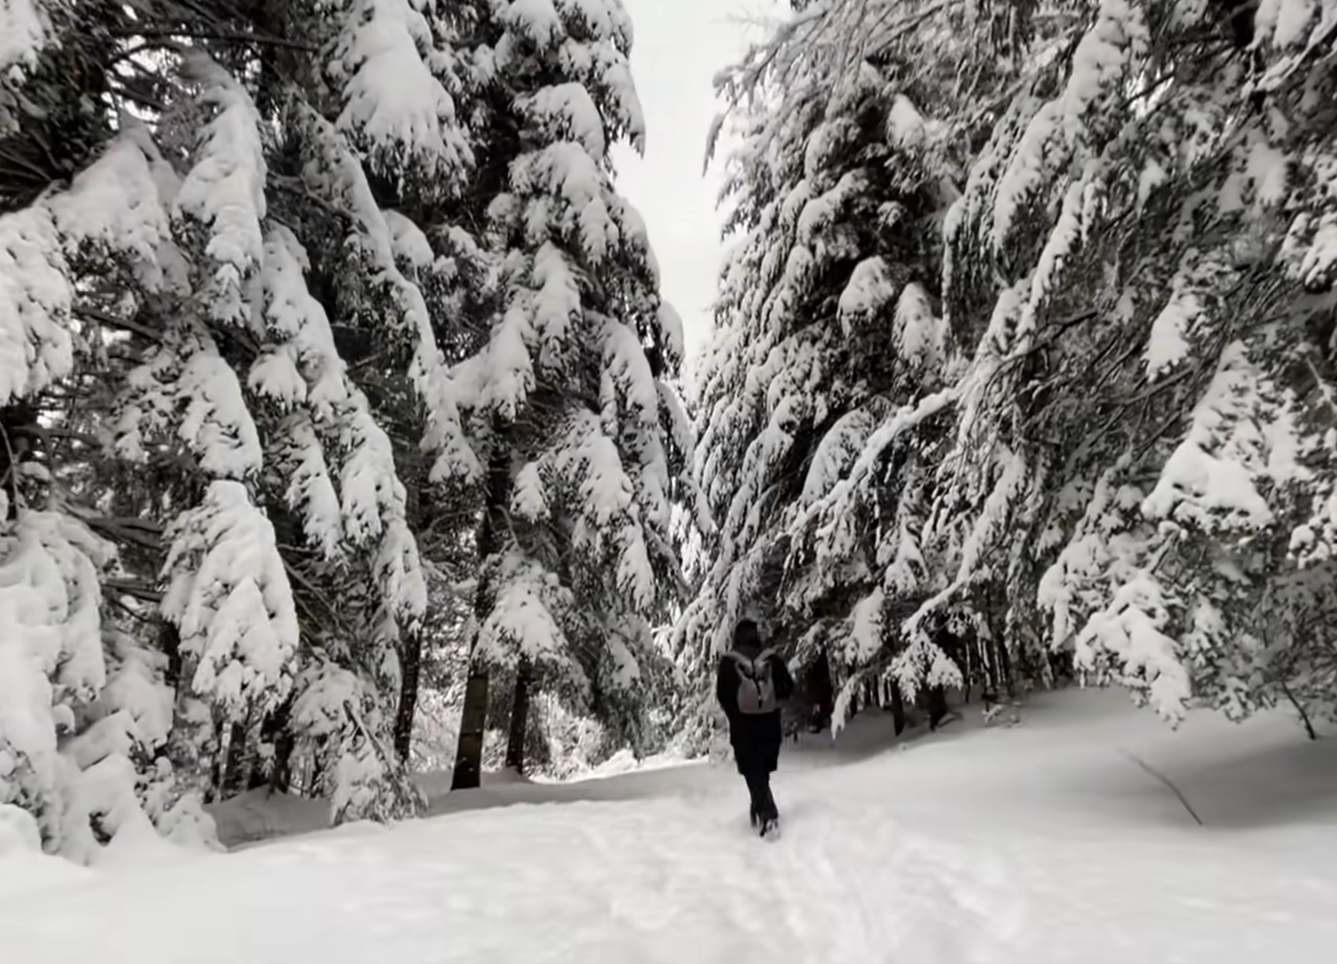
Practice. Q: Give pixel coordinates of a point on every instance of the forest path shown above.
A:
(1043, 844)
(633, 882)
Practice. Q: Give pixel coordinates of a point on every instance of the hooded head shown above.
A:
(746, 638)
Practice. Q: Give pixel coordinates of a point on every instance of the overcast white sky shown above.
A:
(680, 45)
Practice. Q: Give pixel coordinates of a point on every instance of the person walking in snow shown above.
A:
(751, 684)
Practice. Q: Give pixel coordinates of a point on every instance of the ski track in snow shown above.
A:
(1039, 845)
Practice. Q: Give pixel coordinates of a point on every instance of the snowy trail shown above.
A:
(1039, 845)
(594, 882)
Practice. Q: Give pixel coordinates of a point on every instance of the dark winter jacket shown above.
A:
(756, 739)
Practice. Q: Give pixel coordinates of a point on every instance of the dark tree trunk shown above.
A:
(280, 776)
(215, 765)
(319, 762)
(897, 708)
(937, 706)
(410, 673)
(473, 724)
(234, 769)
(988, 658)
(999, 659)
(417, 506)
(276, 731)
(820, 692)
(515, 743)
(169, 639)
(974, 668)
(17, 421)
(1004, 666)
(473, 720)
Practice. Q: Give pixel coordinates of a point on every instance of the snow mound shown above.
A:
(19, 832)
(24, 868)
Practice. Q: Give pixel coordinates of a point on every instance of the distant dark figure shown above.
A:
(752, 685)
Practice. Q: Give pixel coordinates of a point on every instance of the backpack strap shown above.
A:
(751, 668)
(760, 657)
(749, 661)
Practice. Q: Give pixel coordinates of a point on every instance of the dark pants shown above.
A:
(756, 749)
(759, 789)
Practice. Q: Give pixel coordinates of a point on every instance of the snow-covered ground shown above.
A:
(1047, 842)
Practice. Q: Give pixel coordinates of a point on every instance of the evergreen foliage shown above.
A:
(1114, 445)
(297, 275)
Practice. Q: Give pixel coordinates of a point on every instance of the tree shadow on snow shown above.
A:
(871, 734)
(1260, 774)
(868, 735)
(689, 780)
(1263, 786)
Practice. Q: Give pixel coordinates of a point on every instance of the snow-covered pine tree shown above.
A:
(385, 159)
(568, 402)
(823, 397)
(1142, 263)
(86, 708)
(176, 369)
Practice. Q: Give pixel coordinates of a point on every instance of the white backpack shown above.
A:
(756, 688)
